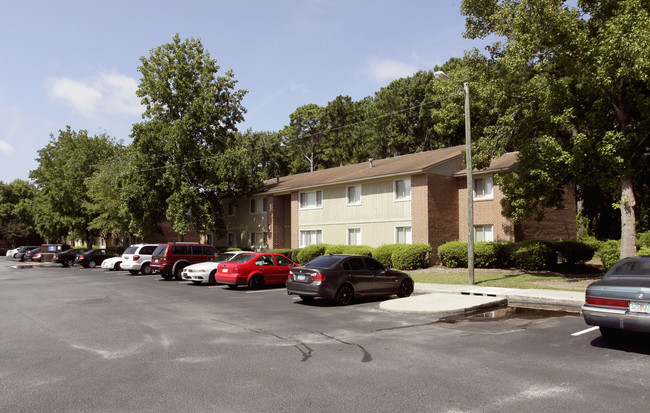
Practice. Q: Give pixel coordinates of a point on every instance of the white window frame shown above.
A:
(481, 185)
(407, 194)
(408, 237)
(357, 189)
(357, 236)
(317, 233)
(316, 204)
(480, 233)
(255, 237)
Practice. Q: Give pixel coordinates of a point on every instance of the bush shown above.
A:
(643, 240)
(534, 255)
(349, 249)
(334, 249)
(384, 254)
(287, 252)
(453, 254)
(411, 256)
(609, 258)
(644, 251)
(575, 251)
(230, 249)
(310, 252)
(486, 254)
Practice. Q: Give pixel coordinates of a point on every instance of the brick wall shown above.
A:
(443, 211)
(558, 224)
(276, 205)
(295, 236)
(420, 209)
(169, 235)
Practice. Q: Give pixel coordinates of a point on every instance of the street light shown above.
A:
(440, 75)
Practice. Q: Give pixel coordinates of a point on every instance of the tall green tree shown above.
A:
(17, 211)
(581, 76)
(184, 157)
(305, 138)
(64, 164)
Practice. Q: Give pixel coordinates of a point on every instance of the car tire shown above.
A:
(167, 276)
(92, 264)
(117, 267)
(146, 269)
(134, 272)
(344, 295)
(306, 298)
(256, 282)
(69, 262)
(211, 279)
(405, 288)
(178, 270)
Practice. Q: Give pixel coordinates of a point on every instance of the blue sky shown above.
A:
(75, 62)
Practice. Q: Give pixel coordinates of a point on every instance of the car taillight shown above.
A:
(607, 302)
(81, 257)
(318, 277)
(136, 257)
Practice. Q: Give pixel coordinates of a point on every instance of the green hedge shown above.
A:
(453, 254)
(643, 240)
(487, 254)
(384, 254)
(411, 256)
(310, 252)
(575, 251)
(534, 255)
(644, 251)
(292, 254)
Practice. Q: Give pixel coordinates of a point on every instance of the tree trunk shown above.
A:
(628, 219)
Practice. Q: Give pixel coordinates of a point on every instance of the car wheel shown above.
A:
(134, 272)
(92, 264)
(68, 262)
(344, 295)
(232, 286)
(211, 279)
(306, 298)
(178, 271)
(167, 276)
(405, 288)
(146, 269)
(117, 267)
(256, 282)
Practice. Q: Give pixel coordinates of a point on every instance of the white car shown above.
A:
(204, 271)
(11, 253)
(112, 264)
(137, 258)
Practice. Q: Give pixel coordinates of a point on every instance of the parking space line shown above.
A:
(263, 291)
(589, 330)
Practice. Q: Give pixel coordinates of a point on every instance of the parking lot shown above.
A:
(77, 339)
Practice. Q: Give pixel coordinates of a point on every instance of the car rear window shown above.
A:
(632, 268)
(160, 250)
(131, 250)
(243, 257)
(324, 261)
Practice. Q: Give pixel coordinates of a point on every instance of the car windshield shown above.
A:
(223, 257)
(131, 250)
(325, 261)
(631, 268)
(243, 257)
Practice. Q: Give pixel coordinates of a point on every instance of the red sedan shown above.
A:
(255, 270)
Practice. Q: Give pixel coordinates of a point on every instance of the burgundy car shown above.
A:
(255, 270)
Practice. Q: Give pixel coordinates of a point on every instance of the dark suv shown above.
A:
(170, 259)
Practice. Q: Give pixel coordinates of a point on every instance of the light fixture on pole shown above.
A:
(440, 75)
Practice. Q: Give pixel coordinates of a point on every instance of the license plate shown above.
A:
(636, 307)
(225, 269)
(300, 278)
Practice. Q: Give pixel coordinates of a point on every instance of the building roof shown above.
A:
(399, 165)
(503, 163)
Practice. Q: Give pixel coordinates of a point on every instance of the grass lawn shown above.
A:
(574, 280)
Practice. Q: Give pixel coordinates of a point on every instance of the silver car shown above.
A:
(621, 300)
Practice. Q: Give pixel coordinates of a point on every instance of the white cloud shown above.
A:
(108, 93)
(387, 69)
(6, 148)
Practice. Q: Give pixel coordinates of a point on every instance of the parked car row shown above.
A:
(334, 277)
(20, 252)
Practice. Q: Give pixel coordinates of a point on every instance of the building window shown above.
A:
(483, 188)
(209, 239)
(258, 240)
(402, 189)
(354, 195)
(483, 233)
(231, 240)
(310, 237)
(231, 209)
(258, 205)
(403, 235)
(354, 236)
(309, 200)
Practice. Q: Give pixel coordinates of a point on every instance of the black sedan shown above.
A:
(93, 258)
(344, 277)
(66, 258)
(621, 300)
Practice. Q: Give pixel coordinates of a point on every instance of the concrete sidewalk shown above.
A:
(451, 299)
